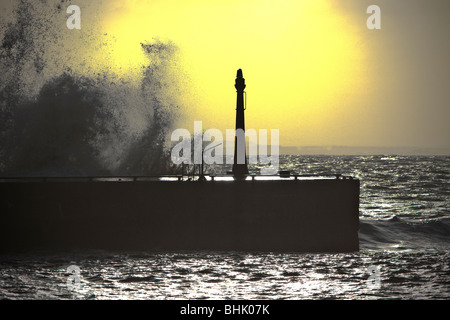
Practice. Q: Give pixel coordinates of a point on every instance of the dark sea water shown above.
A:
(404, 240)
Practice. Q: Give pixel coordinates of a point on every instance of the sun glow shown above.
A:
(300, 58)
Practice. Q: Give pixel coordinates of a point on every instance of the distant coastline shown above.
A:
(350, 150)
(359, 150)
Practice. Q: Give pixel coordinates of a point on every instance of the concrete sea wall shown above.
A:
(315, 215)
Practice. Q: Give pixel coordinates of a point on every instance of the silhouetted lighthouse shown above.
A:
(240, 159)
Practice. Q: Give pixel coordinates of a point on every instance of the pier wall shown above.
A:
(281, 216)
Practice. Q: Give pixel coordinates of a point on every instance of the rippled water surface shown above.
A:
(404, 240)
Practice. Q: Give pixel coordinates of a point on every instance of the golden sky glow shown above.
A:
(298, 58)
(313, 69)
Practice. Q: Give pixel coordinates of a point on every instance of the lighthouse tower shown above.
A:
(240, 168)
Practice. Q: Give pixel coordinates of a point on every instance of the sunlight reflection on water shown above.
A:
(404, 230)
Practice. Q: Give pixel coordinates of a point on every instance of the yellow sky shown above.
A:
(300, 59)
(312, 67)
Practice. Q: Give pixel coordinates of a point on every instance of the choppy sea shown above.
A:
(404, 250)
